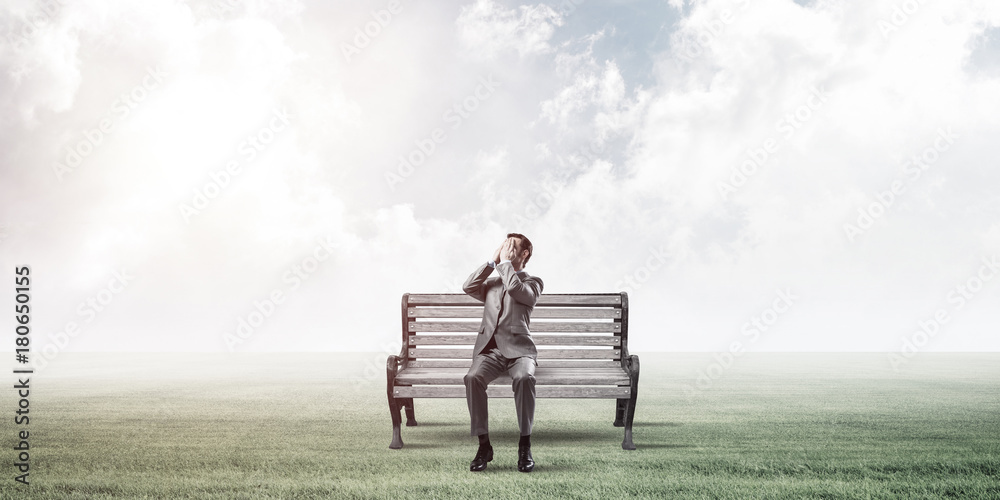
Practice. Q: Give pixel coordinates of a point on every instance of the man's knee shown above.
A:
(474, 378)
(524, 378)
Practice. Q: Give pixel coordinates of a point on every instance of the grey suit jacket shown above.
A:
(508, 302)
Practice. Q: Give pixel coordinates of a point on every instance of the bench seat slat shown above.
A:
(542, 353)
(500, 391)
(537, 313)
(547, 340)
(539, 326)
(543, 376)
(552, 299)
(540, 373)
(557, 363)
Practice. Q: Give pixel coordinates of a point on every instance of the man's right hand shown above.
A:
(496, 255)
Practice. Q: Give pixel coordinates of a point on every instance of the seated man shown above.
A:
(504, 344)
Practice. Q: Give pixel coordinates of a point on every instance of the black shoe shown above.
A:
(524, 461)
(484, 455)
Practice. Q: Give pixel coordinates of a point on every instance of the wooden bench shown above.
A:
(582, 342)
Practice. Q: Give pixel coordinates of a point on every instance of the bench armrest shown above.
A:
(404, 353)
(392, 365)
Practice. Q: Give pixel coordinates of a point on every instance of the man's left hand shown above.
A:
(509, 250)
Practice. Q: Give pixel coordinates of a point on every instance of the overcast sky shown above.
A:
(798, 176)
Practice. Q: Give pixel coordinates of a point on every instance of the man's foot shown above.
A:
(524, 461)
(484, 455)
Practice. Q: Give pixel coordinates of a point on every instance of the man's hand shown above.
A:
(508, 250)
(496, 255)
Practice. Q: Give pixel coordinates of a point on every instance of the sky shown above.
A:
(794, 176)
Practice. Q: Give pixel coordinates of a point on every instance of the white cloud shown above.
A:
(486, 29)
(887, 98)
(39, 64)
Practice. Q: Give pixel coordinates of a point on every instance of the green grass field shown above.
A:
(316, 426)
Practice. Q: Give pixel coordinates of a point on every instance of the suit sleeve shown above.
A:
(475, 284)
(525, 291)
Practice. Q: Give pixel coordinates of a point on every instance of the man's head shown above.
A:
(523, 246)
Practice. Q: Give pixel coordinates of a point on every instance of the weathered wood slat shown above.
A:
(443, 339)
(562, 363)
(541, 326)
(453, 376)
(581, 379)
(542, 353)
(500, 391)
(540, 312)
(539, 372)
(543, 376)
(547, 340)
(443, 326)
(459, 299)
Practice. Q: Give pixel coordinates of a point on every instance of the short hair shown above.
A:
(525, 242)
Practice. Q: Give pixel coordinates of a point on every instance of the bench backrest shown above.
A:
(570, 330)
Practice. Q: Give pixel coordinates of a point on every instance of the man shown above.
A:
(504, 344)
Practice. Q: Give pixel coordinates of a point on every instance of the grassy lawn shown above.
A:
(317, 426)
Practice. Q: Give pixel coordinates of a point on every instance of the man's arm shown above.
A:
(475, 284)
(525, 291)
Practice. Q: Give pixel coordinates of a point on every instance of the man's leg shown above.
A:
(522, 372)
(486, 367)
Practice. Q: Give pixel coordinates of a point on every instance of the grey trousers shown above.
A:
(486, 367)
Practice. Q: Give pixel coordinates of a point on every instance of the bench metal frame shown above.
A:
(583, 353)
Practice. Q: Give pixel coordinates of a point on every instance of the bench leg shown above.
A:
(411, 421)
(620, 407)
(390, 372)
(397, 437)
(627, 443)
